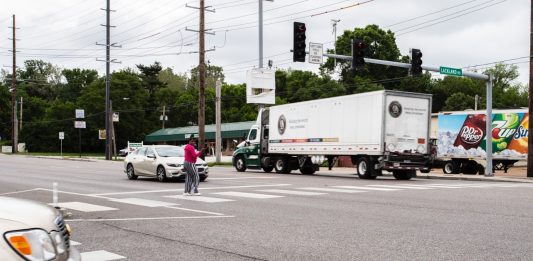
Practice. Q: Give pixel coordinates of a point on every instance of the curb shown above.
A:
(487, 179)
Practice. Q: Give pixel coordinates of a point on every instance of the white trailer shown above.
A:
(381, 130)
(461, 140)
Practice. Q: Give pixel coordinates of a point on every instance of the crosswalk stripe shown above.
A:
(365, 188)
(144, 202)
(83, 207)
(433, 186)
(247, 195)
(74, 243)
(100, 255)
(292, 192)
(399, 187)
(201, 198)
(333, 190)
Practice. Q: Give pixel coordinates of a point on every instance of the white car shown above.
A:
(161, 161)
(33, 231)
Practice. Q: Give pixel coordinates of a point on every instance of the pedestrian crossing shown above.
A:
(98, 255)
(231, 194)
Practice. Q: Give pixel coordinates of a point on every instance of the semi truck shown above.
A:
(461, 140)
(381, 130)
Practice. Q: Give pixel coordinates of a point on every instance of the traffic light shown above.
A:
(416, 62)
(298, 50)
(358, 53)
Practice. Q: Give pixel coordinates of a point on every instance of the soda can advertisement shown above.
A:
(463, 135)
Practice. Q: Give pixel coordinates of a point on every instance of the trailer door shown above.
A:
(407, 123)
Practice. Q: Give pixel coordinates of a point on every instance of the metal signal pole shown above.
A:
(530, 129)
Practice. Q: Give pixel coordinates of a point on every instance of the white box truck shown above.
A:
(461, 140)
(381, 130)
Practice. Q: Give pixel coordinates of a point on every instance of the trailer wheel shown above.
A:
(364, 168)
(307, 170)
(268, 169)
(403, 174)
(469, 167)
(281, 165)
(451, 167)
(240, 164)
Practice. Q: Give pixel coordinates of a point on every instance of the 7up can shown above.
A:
(504, 126)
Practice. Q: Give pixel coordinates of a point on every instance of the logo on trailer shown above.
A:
(395, 109)
(282, 124)
(471, 134)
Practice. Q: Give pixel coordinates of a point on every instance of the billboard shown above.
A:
(463, 135)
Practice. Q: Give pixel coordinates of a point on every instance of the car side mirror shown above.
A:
(152, 156)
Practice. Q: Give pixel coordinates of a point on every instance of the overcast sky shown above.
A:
(456, 33)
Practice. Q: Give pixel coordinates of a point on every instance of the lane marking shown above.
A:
(100, 255)
(333, 190)
(292, 192)
(200, 198)
(247, 195)
(136, 219)
(399, 187)
(244, 178)
(144, 202)
(83, 207)
(197, 211)
(366, 188)
(22, 191)
(180, 189)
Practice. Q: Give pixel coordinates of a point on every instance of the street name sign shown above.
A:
(451, 71)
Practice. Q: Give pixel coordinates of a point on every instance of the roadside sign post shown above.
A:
(448, 71)
(80, 114)
(61, 137)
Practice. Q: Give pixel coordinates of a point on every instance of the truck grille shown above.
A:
(60, 222)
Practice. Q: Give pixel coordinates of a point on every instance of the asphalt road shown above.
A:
(259, 216)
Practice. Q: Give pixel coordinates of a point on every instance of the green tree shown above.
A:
(77, 79)
(458, 102)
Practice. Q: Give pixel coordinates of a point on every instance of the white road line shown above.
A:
(247, 195)
(432, 186)
(333, 190)
(74, 243)
(149, 218)
(144, 202)
(197, 211)
(16, 192)
(83, 207)
(201, 198)
(180, 189)
(365, 188)
(292, 192)
(399, 187)
(100, 255)
(244, 178)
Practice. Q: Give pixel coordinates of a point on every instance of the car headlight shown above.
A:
(33, 244)
(204, 165)
(175, 165)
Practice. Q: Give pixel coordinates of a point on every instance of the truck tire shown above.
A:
(268, 169)
(240, 164)
(451, 167)
(364, 169)
(470, 167)
(307, 170)
(402, 174)
(281, 165)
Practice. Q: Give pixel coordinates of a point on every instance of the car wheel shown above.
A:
(203, 179)
(240, 164)
(161, 174)
(130, 172)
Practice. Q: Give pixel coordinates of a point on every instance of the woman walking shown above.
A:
(192, 179)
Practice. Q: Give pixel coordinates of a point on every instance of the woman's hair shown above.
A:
(192, 139)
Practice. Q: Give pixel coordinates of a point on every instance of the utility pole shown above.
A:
(218, 139)
(201, 70)
(530, 129)
(14, 131)
(334, 23)
(20, 121)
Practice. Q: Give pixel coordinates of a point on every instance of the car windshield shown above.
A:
(170, 151)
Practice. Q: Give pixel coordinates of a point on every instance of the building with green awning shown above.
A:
(231, 132)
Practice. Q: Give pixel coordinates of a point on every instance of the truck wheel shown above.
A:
(480, 169)
(308, 170)
(402, 174)
(363, 168)
(425, 171)
(469, 167)
(281, 165)
(451, 167)
(268, 169)
(240, 164)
